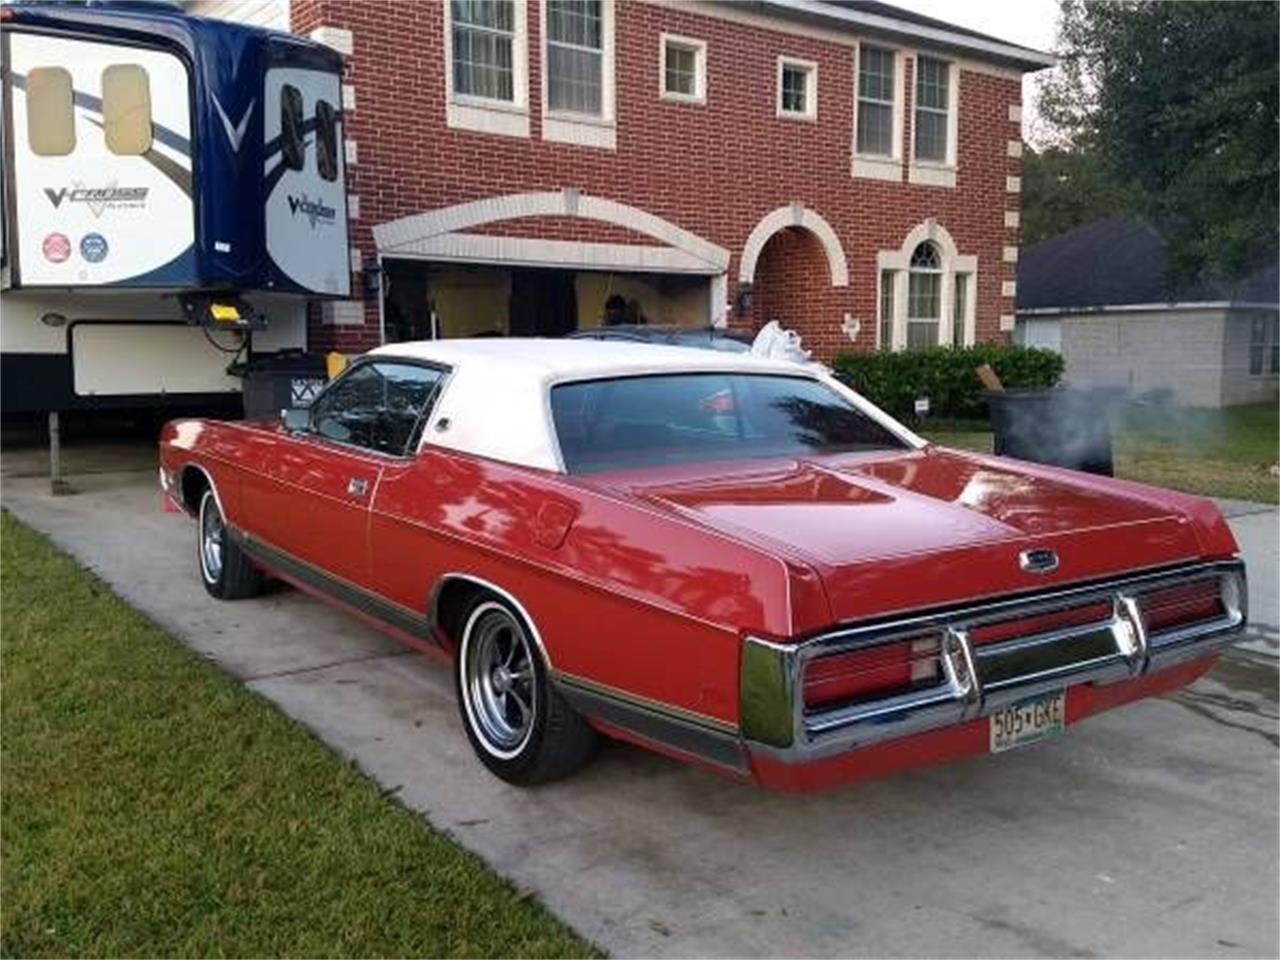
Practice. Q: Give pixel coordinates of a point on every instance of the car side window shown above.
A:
(378, 406)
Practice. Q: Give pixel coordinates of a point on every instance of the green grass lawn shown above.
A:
(152, 806)
(1221, 453)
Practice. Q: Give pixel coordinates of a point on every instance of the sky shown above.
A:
(1030, 23)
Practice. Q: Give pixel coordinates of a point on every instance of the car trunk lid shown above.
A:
(903, 530)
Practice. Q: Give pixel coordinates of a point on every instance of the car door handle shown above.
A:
(357, 487)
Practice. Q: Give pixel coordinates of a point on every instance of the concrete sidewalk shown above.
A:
(1149, 831)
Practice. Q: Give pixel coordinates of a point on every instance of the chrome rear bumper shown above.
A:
(978, 679)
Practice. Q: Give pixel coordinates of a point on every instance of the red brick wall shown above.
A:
(713, 169)
(793, 285)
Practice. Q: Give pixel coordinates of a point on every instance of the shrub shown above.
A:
(945, 375)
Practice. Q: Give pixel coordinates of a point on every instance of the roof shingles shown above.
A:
(1121, 261)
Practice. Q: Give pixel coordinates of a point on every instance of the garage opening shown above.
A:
(426, 300)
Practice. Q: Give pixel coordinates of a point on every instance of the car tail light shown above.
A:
(873, 672)
(1041, 623)
(1181, 605)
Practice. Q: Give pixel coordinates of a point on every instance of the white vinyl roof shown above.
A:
(496, 401)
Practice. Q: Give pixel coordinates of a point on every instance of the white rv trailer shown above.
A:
(173, 197)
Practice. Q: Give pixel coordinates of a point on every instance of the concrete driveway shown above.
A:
(1149, 831)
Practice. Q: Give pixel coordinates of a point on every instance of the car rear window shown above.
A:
(628, 422)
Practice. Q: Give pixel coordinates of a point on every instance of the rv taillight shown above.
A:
(871, 673)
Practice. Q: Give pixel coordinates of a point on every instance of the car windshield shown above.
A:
(690, 418)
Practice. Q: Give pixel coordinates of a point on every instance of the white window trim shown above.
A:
(895, 276)
(877, 166)
(953, 262)
(484, 114)
(810, 112)
(931, 173)
(699, 48)
(584, 129)
(969, 334)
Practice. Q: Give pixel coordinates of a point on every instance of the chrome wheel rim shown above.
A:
(212, 534)
(499, 677)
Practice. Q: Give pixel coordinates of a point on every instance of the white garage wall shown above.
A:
(1239, 386)
(1176, 350)
(1042, 332)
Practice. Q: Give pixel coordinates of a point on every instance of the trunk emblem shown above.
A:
(1038, 561)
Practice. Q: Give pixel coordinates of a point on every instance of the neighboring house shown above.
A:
(1100, 294)
(848, 168)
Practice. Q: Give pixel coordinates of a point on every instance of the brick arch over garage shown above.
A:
(441, 235)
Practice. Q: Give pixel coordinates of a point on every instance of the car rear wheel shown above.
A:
(519, 725)
(224, 569)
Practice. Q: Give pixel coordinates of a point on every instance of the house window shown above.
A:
(126, 109)
(924, 297)
(684, 69)
(875, 101)
(292, 146)
(484, 48)
(933, 304)
(326, 140)
(959, 309)
(1264, 346)
(51, 122)
(575, 56)
(887, 295)
(933, 97)
(797, 89)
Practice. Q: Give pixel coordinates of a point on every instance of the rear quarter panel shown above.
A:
(621, 595)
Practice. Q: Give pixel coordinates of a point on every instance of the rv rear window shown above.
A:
(126, 109)
(292, 146)
(326, 140)
(51, 124)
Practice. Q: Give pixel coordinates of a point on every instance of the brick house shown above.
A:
(848, 168)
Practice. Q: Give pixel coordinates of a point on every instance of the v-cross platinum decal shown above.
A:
(235, 134)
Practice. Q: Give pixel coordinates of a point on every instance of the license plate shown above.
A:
(1029, 720)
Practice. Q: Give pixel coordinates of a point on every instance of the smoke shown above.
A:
(1062, 426)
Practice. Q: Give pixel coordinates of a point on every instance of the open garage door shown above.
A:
(543, 264)
(425, 300)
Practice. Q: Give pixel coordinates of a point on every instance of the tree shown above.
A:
(1182, 100)
(1064, 188)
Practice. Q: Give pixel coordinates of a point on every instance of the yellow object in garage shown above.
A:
(335, 363)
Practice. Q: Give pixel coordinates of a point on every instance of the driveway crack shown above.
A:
(276, 674)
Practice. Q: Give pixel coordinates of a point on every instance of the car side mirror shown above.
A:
(296, 419)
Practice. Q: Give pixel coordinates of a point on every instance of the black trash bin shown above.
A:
(277, 381)
(1060, 426)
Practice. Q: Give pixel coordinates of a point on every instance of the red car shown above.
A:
(737, 562)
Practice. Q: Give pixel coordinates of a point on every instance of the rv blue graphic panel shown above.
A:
(153, 149)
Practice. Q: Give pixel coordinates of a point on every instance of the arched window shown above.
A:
(924, 296)
(928, 291)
